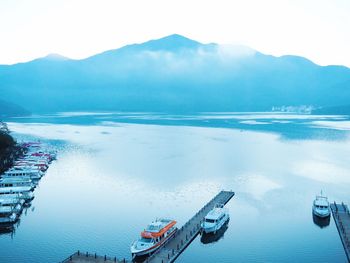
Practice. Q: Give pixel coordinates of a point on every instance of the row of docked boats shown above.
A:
(18, 183)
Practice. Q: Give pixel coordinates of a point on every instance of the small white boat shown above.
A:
(23, 172)
(11, 200)
(6, 221)
(16, 181)
(25, 192)
(8, 209)
(215, 219)
(153, 237)
(321, 207)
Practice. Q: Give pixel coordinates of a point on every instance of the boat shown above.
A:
(153, 237)
(8, 220)
(321, 207)
(212, 238)
(16, 181)
(11, 200)
(215, 219)
(10, 209)
(25, 192)
(23, 172)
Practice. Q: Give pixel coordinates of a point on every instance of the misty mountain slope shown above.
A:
(174, 74)
(8, 109)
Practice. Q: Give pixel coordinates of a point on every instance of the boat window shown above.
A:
(209, 220)
(146, 240)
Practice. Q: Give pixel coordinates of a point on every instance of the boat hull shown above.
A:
(321, 213)
(149, 251)
(215, 228)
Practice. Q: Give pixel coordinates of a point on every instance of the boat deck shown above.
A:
(341, 217)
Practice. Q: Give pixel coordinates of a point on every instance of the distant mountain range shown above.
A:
(173, 74)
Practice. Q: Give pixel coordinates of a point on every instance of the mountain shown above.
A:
(8, 109)
(174, 74)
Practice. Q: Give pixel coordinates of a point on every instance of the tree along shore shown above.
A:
(9, 149)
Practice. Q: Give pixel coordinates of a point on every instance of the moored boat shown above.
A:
(25, 192)
(215, 219)
(16, 181)
(23, 172)
(153, 237)
(321, 207)
(8, 220)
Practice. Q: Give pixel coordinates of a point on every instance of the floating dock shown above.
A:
(170, 251)
(341, 217)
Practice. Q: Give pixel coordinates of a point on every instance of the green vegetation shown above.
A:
(9, 149)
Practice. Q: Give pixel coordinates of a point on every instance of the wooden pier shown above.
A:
(79, 257)
(341, 217)
(170, 251)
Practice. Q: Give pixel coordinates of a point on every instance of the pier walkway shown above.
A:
(173, 248)
(341, 217)
(79, 257)
(188, 232)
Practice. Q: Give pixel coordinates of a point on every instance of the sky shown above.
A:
(316, 29)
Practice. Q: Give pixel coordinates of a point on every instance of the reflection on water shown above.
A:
(8, 230)
(114, 175)
(211, 237)
(321, 222)
(288, 126)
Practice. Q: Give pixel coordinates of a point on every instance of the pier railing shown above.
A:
(93, 257)
(341, 217)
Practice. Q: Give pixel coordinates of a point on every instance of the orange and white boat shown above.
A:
(153, 237)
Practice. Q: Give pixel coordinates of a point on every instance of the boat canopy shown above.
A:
(158, 228)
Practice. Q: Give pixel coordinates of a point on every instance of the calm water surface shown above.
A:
(116, 172)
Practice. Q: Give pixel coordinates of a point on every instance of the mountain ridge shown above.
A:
(174, 73)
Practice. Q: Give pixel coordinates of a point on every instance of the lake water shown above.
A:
(116, 172)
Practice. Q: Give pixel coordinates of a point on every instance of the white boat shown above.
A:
(321, 207)
(8, 209)
(153, 237)
(11, 200)
(7, 221)
(16, 181)
(215, 219)
(12, 196)
(23, 172)
(25, 192)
